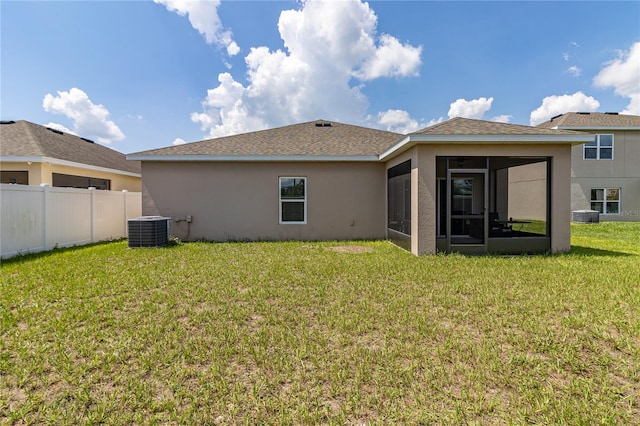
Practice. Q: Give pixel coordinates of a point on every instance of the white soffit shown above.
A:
(58, 162)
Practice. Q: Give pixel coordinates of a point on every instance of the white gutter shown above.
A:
(253, 158)
(415, 139)
(598, 128)
(66, 163)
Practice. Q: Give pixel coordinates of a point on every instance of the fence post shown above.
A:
(45, 190)
(124, 221)
(92, 218)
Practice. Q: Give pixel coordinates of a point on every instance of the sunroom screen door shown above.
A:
(467, 210)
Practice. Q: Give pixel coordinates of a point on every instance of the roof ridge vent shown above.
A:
(555, 116)
(7, 122)
(611, 113)
(323, 124)
(583, 113)
(87, 140)
(55, 131)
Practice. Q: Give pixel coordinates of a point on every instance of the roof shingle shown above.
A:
(313, 138)
(468, 126)
(25, 139)
(585, 120)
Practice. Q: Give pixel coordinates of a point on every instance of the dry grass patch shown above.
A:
(351, 249)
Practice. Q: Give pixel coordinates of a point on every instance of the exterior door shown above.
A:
(467, 206)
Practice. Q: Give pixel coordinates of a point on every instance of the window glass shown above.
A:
(601, 148)
(590, 153)
(14, 177)
(606, 200)
(293, 200)
(606, 140)
(606, 153)
(292, 212)
(72, 181)
(612, 208)
(462, 196)
(292, 188)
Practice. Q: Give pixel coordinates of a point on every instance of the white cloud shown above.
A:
(179, 141)
(434, 121)
(89, 120)
(331, 49)
(233, 49)
(225, 112)
(203, 16)
(399, 121)
(502, 118)
(623, 74)
(392, 58)
(474, 108)
(574, 71)
(554, 105)
(60, 127)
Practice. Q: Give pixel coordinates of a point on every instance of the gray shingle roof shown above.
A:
(328, 140)
(304, 139)
(25, 139)
(468, 126)
(577, 120)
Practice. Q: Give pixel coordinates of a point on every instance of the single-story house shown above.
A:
(31, 154)
(443, 188)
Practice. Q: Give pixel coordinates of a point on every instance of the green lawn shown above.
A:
(298, 333)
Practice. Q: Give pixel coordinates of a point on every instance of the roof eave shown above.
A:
(58, 162)
(253, 158)
(411, 140)
(609, 128)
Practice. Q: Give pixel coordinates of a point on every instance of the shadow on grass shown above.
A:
(590, 251)
(28, 257)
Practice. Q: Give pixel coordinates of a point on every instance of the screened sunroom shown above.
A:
(478, 193)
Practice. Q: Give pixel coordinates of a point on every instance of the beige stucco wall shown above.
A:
(621, 172)
(40, 173)
(239, 201)
(424, 214)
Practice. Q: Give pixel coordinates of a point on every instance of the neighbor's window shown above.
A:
(600, 149)
(14, 177)
(606, 200)
(293, 200)
(72, 181)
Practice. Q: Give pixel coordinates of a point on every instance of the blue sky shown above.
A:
(136, 75)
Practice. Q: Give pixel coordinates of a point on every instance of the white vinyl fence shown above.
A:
(39, 218)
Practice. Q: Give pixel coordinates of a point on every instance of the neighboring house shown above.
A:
(605, 172)
(31, 154)
(444, 188)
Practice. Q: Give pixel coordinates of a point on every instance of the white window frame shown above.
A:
(604, 200)
(597, 145)
(290, 200)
